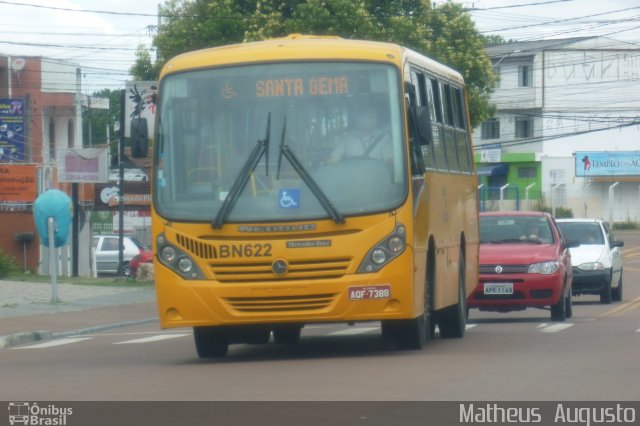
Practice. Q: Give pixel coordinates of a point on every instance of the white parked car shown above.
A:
(597, 261)
(107, 253)
(130, 175)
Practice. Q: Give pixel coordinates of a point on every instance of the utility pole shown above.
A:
(123, 94)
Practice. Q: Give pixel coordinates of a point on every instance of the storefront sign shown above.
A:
(18, 183)
(12, 113)
(607, 163)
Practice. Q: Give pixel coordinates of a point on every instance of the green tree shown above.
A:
(143, 68)
(95, 121)
(444, 32)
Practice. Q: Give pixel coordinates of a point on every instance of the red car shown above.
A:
(145, 256)
(524, 262)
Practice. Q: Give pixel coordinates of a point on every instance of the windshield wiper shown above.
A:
(261, 148)
(306, 177)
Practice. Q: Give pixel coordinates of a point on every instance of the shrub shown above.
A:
(560, 211)
(625, 225)
(145, 272)
(7, 265)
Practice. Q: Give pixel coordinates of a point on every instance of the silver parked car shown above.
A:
(597, 261)
(107, 253)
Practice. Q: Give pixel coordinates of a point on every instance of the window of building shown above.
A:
(527, 172)
(491, 129)
(524, 127)
(70, 133)
(52, 139)
(524, 76)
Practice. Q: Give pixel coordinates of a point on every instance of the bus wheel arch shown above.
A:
(413, 333)
(211, 342)
(452, 320)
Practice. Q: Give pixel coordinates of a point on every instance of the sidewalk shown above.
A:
(27, 314)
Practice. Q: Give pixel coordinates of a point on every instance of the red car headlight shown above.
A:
(544, 268)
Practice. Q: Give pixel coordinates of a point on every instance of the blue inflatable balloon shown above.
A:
(53, 203)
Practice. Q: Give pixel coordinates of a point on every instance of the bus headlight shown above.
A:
(177, 260)
(396, 244)
(168, 254)
(185, 265)
(378, 256)
(385, 251)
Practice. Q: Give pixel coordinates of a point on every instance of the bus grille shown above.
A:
(247, 271)
(280, 304)
(298, 270)
(195, 247)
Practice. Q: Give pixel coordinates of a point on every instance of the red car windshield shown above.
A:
(515, 229)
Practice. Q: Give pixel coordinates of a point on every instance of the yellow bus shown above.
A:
(312, 180)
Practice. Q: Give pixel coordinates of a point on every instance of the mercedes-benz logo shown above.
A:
(279, 267)
(498, 269)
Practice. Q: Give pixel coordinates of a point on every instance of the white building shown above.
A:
(556, 98)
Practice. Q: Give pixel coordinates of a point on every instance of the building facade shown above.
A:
(556, 98)
(43, 114)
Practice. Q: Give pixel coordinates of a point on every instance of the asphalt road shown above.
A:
(504, 357)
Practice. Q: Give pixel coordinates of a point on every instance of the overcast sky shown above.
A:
(103, 44)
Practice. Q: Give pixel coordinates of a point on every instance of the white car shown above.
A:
(107, 253)
(597, 262)
(130, 175)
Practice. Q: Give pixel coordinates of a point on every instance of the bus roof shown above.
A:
(305, 47)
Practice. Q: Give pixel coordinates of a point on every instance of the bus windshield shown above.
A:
(280, 142)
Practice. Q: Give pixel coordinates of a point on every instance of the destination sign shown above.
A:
(295, 86)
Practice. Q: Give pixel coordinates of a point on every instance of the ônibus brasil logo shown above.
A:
(31, 414)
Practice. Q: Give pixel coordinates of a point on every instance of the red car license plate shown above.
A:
(498, 288)
(370, 292)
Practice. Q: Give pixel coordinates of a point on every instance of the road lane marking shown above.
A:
(627, 306)
(353, 331)
(133, 333)
(156, 338)
(554, 328)
(57, 342)
(630, 251)
(468, 326)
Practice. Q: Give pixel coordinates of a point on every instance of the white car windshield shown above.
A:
(582, 232)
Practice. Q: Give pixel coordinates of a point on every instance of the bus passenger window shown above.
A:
(437, 105)
(447, 104)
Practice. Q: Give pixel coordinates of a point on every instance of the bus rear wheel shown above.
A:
(211, 342)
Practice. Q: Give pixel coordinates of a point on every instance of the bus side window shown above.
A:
(437, 127)
(462, 142)
(449, 129)
(417, 166)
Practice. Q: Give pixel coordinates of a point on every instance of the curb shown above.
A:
(42, 335)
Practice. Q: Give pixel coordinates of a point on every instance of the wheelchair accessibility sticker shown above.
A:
(289, 198)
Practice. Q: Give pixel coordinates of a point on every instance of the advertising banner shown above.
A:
(140, 103)
(607, 163)
(12, 113)
(83, 165)
(18, 183)
(135, 194)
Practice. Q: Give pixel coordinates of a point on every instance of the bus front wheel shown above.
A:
(452, 320)
(287, 334)
(211, 342)
(412, 334)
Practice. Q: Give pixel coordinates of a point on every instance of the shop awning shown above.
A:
(492, 169)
